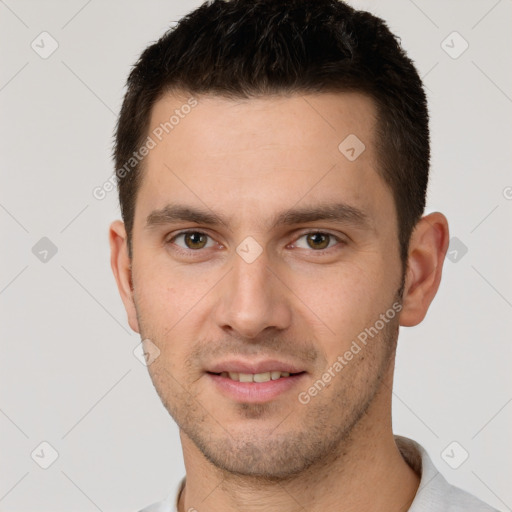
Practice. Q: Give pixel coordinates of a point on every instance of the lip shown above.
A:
(265, 365)
(255, 392)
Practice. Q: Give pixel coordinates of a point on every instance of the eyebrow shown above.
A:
(173, 213)
(333, 212)
(337, 212)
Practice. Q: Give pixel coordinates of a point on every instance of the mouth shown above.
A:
(256, 377)
(256, 387)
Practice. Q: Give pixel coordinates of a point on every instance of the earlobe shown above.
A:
(121, 267)
(427, 250)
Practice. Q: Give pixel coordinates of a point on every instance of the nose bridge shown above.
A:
(250, 302)
(249, 285)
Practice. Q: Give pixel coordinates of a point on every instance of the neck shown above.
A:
(366, 473)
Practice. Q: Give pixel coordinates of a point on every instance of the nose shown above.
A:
(252, 299)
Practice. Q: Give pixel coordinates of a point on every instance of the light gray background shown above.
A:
(68, 374)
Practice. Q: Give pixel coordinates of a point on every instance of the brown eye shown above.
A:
(191, 240)
(318, 240)
(195, 240)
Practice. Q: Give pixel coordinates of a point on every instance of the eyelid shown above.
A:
(313, 231)
(171, 239)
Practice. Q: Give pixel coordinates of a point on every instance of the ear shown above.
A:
(121, 267)
(427, 249)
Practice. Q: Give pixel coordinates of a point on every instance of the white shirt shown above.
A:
(434, 494)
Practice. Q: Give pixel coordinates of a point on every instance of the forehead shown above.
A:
(267, 120)
(237, 155)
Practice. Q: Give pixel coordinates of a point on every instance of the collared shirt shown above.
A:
(434, 493)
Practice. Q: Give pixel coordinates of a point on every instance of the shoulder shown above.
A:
(170, 504)
(435, 494)
(160, 506)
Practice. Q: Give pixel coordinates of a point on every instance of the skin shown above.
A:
(301, 300)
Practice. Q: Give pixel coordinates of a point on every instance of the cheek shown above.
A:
(163, 295)
(345, 296)
(158, 302)
(170, 309)
(341, 304)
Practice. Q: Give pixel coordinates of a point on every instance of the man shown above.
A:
(272, 161)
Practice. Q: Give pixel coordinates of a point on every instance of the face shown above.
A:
(260, 247)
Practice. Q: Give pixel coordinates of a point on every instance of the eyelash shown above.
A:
(189, 252)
